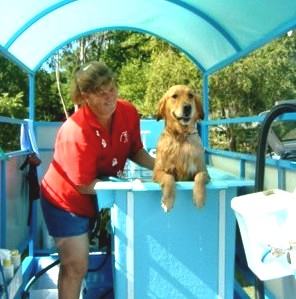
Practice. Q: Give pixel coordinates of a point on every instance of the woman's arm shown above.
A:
(87, 189)
(143, 159)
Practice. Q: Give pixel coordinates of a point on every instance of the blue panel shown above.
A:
(217, 33)
(176, 254)
(155, 128)
(186, 253)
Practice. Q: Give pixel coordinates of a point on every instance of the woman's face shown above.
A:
(103, 103)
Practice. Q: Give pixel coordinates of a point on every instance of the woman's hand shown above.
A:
(143, 159)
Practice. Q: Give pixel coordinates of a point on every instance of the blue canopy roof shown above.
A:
(213, 33)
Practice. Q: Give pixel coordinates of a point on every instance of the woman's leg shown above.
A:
(73, 253)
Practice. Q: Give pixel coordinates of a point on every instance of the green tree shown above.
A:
(132, 82)
(145, 78)
(255, 83)
(13, 80)
(168, 67)
(48, 103)
(125, 46)
(13, 102)
(250, 86)
(147, 66)
(12, 107)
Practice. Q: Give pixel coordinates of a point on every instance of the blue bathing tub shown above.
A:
(186, 253)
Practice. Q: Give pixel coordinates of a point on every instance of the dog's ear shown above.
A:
(199, 107)
(161, 108)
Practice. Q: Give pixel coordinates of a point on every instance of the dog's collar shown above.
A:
(195, 132)
(183, 136)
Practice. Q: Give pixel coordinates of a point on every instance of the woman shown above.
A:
(94, 142)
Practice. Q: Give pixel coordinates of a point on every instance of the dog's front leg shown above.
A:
(199, 190)
(167, 183)
(168, 186)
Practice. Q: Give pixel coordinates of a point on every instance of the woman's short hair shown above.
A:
(90, 77)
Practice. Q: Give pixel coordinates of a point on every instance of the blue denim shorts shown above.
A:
(61, 223)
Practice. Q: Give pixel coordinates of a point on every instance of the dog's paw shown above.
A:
(199, 196)
(199, 190)
(167, 204)
(168, 192)
(199, 200)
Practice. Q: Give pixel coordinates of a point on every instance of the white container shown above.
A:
(4, 254)
(8, 270)
(15, 259)
(267, 220)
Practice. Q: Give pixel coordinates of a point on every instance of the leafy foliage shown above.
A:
(250, 86)
(12, 107)
(168, 67)
(146, 67)
(255, 83)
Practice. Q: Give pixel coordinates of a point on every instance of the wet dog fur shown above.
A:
(179, 152)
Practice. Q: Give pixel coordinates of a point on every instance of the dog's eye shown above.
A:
(174, 96)
(190, 95)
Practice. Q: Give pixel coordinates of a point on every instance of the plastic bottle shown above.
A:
(8, 270)
(15, 259)
(1, 279)
(4, 254)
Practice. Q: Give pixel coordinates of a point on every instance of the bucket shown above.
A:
(267, 223)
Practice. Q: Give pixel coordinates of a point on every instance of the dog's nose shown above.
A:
(187, 110)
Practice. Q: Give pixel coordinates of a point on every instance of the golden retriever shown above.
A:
(179, 152)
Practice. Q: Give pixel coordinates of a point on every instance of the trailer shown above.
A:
(191, 254)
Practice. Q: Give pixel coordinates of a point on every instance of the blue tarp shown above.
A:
(213, 33)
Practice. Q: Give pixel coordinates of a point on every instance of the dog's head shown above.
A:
(180, 104)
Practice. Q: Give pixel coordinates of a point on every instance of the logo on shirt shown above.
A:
(114, 162)
(103, 141)
(124, 137)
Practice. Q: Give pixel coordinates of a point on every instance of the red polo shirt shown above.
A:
(84, 151)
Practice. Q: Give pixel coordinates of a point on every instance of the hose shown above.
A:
(260, 164)
(92, 235)
(25, 293)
